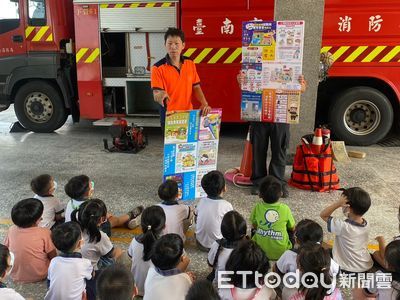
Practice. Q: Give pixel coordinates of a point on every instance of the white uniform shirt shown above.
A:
(171, 287)
(10, 294)
(175, 214)
(139, 266)
(67, 277)
(209, 217)
(71, 206)
(288, 263)
(93, 251)
(350, 249)
(51, 207)
(223, 257)
(235, 293)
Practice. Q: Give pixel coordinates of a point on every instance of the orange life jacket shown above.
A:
(314, 171)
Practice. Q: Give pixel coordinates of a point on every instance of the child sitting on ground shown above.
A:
(178, 216)
(44, 187)
(248, 256)
(211, 210)
(306, 231)
(81, 188)
(68, 271)
(233, 229)
(97, 246)
(6, 265)
(313, 259)
(379, 256)
(272, 220)
(350, 249)
(31, 245)
(167, 279)
(392, 261)
(116, 282)
(140, 249)
(202, 290)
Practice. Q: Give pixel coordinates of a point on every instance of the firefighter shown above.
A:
(261, 133)
(174, 78)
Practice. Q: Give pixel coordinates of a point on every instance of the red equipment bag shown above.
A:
(314, 171)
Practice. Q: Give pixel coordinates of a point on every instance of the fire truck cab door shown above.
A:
(12, 38)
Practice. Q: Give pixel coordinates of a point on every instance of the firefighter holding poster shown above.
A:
(271, 81)
(174, 79)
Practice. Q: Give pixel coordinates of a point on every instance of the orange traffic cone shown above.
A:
(241, 176)
(317, 141)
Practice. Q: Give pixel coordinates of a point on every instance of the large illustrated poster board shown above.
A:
(272, 54)
(191, 149)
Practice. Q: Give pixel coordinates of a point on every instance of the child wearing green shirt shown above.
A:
(272, 221)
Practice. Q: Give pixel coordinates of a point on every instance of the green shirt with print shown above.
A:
(272, 222)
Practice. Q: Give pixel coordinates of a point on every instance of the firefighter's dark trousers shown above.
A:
(261, 134)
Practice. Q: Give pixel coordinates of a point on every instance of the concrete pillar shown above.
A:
(312, 11)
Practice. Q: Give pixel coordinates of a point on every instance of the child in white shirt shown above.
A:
(313, 259)
(248, 256)
(233, 229)
(140, 249)
(97, 246)
(178, 216)
(306, 231)
(211, 210)
(167, 279)
(350, 249)
(68, 272)
(44, 187)
(80, 189)
(6, 265)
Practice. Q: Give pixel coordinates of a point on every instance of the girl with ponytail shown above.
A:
(313, 259)
(140, 249)
(97, 246)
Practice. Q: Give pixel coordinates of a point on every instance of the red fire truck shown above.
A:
(91, 59)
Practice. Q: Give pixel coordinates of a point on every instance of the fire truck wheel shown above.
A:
(39, 107)
(361, 116)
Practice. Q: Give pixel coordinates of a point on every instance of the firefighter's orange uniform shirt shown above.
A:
(177, 83)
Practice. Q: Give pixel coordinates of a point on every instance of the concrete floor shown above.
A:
(127, 180)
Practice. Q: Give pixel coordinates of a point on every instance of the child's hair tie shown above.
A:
(148, 227)
(323, 269)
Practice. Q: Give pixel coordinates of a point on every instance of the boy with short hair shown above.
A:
(31, 245)
(44, 187)
(68, 271)
(350, 249)
(174, 78)
(167, 279)
(116, 282)
(178, 216)
(210, 210)
(272, 220)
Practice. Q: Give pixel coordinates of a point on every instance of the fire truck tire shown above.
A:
(361, 116)
(39, 107)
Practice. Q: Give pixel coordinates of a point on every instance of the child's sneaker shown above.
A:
(134, 216)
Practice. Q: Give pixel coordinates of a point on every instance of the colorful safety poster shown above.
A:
(191, 149)
(272, 55)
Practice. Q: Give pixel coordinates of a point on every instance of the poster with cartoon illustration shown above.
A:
(181, 127)
(207, 154)
(272, 55)
(191, 149)
(210, 125)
